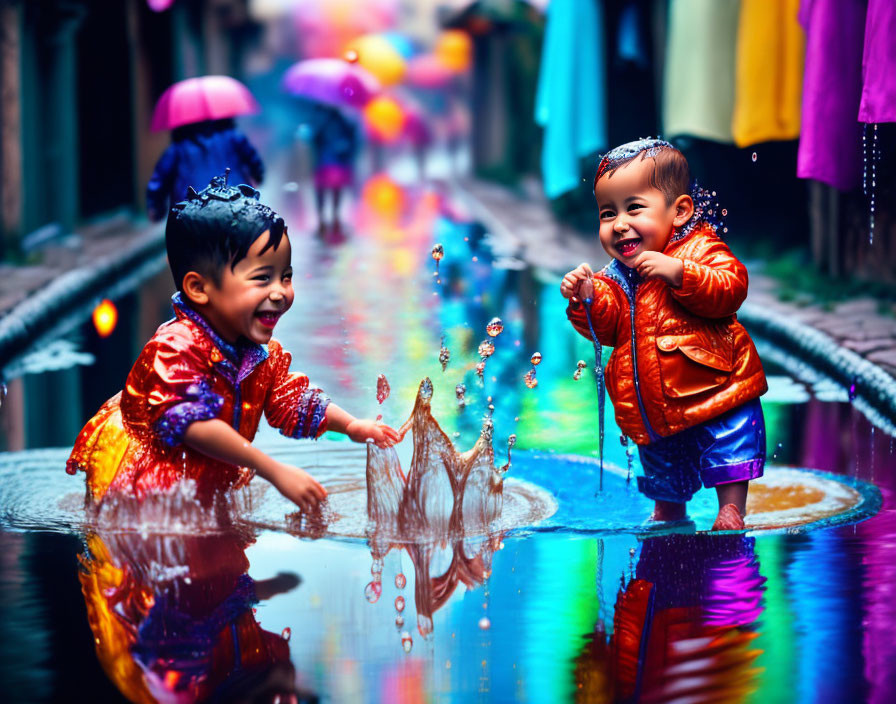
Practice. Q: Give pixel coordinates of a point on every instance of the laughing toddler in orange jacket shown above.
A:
(684, 376)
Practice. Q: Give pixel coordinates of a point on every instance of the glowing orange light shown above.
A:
(454, 50)
(383, 196)
(105, 318)
(384, 118)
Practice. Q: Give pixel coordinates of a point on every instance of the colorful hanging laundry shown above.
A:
(698, 81)
(878, 103)
(830, 148)
(768, 72)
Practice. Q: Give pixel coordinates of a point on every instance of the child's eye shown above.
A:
(261, 277)
(287, 276)
(607, 214)
(635, 206)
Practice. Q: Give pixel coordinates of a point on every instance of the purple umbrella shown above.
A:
(199, 99)
(331, 81)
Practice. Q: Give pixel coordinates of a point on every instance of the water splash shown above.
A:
(529, 379)
(601, 388)
(495, 327)
(382, 388)
(444, 356)
(445, 492)
(486, 349)
(373, 591)
(627, 443)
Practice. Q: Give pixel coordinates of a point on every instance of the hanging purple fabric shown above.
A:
(830, 137)
(879, 64)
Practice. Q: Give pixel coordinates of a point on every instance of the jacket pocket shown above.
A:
(690, 364)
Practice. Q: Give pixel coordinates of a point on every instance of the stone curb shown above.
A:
(41, 311)
(823, 352)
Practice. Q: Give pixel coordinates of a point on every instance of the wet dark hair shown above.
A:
(216, 227)
(671, 173)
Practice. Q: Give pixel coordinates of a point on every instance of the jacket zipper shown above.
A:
(620, 280)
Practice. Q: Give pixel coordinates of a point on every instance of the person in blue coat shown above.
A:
(197, 153)
(334, 143)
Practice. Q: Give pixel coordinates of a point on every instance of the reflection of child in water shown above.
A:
(173, 619)
(684, 376)
(194, 398)
(685, 624)
(335, 142)
(197, 153)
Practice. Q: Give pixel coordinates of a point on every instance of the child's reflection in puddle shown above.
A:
(173, 619)
(683, 627)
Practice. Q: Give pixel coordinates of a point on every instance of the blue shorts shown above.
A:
(727, 448)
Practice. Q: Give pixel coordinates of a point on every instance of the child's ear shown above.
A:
(195, 288)
(684, 209)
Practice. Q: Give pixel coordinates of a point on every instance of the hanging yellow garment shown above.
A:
(769, 72)
(698, 75)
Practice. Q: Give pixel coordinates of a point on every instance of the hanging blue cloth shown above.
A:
(570, 103)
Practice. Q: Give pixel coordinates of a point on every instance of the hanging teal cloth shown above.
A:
(570, 103)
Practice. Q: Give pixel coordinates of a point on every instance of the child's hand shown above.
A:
(578, 283)
(362, 429)
(656, 265)
(298, 486)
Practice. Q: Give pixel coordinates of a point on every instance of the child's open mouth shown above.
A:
(268, 318)
(627, 247)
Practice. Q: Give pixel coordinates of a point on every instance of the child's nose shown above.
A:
(620, 225)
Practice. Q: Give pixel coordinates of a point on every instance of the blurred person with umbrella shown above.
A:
(204, 139)
(331, 86)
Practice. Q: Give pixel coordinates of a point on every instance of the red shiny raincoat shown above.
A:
(680, 356)
(187, 373)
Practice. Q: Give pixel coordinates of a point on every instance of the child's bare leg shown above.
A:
(668, 511)
(732, 505)
(734, 493)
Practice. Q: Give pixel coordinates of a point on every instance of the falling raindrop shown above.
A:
(444, 357)
(400, 580)
(399, 621)
(286, 633)
(480, 371)
(754, 157)
(724, 212)
(399, 603)
(536, 359)
(495, 327)
(580, 366)
(373, 590)
(529, 378)
(438, 252)
(382, 388)
(486, 349)
(511, 441)
(460, 392)
(484, 623)
(3, 392)
(406, 641)
(376, 567)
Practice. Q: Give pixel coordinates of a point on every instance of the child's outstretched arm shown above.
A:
(217, 439)
(715, 285)
(359, 429)
(579, 285)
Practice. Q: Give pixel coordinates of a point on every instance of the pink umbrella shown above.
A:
(426, 71)
(331, 81)
(203, 98)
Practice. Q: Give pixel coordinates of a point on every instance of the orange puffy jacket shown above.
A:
(680, 357)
